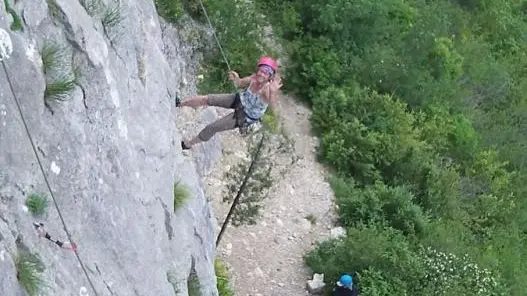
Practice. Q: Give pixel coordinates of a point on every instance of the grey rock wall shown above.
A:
(110, 151)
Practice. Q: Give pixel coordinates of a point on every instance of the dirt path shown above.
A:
(266, 259)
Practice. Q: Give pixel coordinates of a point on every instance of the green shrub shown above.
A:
(379, 204)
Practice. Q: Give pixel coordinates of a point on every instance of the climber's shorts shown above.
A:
(229, 101)
(227, 122)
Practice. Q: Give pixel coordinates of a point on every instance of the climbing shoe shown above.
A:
(183, 146)
(178, 101)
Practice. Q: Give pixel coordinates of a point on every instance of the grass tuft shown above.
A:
(37, 204)
(16, 25)
(52, 56)
(111, 18)
(59, 89)
(59, 82)
(222, 279)
(181, 195)
(92, 7)
(53, 8)
(29, 269)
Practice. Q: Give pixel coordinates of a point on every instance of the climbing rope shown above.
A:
(217, 40)
(214, 33)
(44, 174)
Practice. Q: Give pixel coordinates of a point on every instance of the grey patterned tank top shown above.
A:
(253, 104)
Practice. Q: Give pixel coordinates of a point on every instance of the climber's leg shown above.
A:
(227, 122)
(194, 102)
(217, 100)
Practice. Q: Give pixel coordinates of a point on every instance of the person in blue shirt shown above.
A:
(345, 286)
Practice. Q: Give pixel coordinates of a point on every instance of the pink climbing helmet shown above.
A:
(268, 61)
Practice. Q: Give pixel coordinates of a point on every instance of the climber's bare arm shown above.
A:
(240, 82)
(273, 89)
(244, 81)
(272, 99)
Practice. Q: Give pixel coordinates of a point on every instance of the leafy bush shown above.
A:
(379, 204)
(388, 252)
(448, 273)
(367, 135)
(394, 265)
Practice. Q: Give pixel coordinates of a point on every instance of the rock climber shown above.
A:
(345, 286)
(249, 104)
(39, 226)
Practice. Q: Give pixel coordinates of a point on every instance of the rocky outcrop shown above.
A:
(109, 148)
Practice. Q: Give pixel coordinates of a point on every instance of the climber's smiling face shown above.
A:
(263, 74)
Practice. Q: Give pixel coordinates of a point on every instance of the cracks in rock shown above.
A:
(4, 219)
(146, 203)
(19, 188)
(48, 106)
(196, 234)
(112, 45)
(108, 287)
(83, 95)
(141, 67)
(168, 227)
(104, 281)
(76, 74)
(97, 268)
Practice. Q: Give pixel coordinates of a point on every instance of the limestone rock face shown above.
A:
(110, 151)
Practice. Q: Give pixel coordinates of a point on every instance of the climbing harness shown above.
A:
(39, 227)
(4, 57)
(244, 125)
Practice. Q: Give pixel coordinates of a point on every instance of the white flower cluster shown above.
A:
(445, 270)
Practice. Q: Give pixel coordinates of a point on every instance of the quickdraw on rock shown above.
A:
(39, 227)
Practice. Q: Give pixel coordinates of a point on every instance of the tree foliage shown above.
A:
(421, 107)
